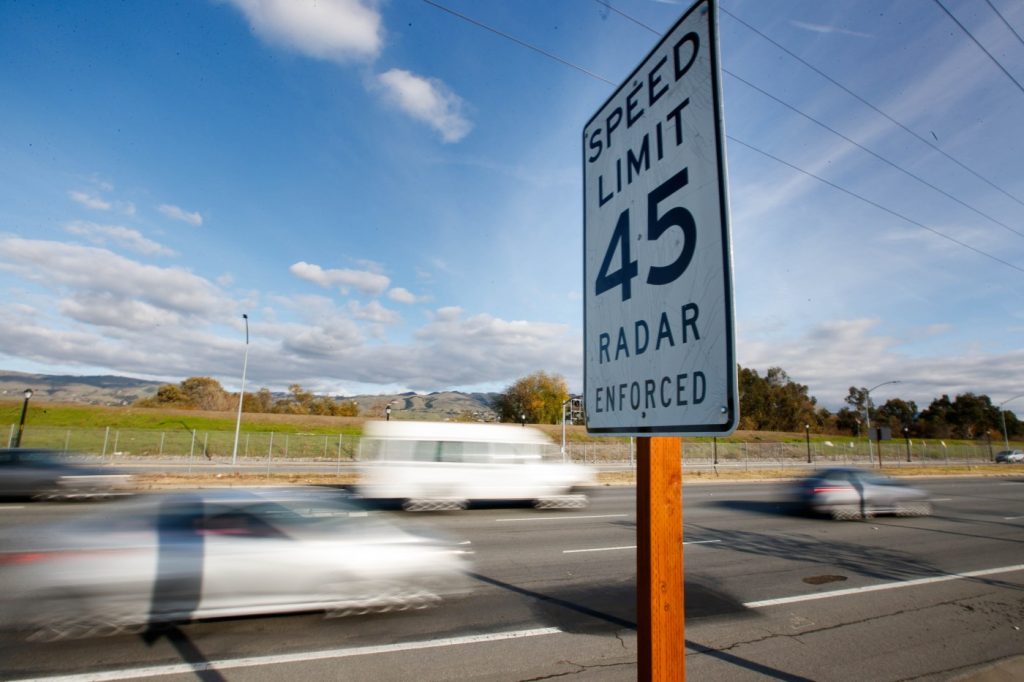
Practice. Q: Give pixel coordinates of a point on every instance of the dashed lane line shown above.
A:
(611, 549)
(560, 518)
(256, 661)
(883, 586)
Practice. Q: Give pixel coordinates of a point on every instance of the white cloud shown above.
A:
(427, 100)
(402, 295)
(333, 30)
(373, 312)
(370, 283)
(821, 28)
(177, 213)
(90, 201)
(122, 236)
(92, 274)
(835, 355)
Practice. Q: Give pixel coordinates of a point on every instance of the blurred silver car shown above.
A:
(222, 553)
(847, 493)
(1010, 456)
(46, 475)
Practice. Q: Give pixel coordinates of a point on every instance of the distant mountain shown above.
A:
(118, 390)
(92, 390)
(438, 406)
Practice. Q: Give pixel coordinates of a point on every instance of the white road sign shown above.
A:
(657, 260)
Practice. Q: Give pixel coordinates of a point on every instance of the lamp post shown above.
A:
(867, 414)
(522, 418)
(241, 393)
(1002, 418)
(906, 437)
(807, 435)
(21, 422)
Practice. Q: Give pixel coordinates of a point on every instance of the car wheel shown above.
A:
(915, 509)
(846, 512)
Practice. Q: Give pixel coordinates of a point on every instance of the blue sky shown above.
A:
(393, 194)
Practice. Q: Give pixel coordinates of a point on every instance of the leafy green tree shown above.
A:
(775, 402)
(896, 414)
(539, 396)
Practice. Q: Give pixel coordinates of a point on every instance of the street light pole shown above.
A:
(241, 393)
(21, 422)
(906, 437)
(1002, 418)
(807, 434)
(867, 414)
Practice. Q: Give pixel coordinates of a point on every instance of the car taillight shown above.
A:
(15, 558)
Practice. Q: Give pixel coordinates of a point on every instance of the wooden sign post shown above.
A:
(661, 640)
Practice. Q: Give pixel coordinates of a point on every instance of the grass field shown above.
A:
(67, 416)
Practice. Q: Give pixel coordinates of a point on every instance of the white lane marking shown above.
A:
(883, 586)
(556, 518)
(4, 507)
(609, 549)
(1012, 518)
(597, 549)
(942, 499)
(252, 661)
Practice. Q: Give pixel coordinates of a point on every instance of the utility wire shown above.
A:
(876, 204)
(626, 16)
(1005, 22)
(871, 106)
(518, 42)
(978, 43)
(874, 154)
(741, 142)
(828, 128)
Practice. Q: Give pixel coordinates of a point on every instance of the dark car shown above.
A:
(45, 475)
(848, 493)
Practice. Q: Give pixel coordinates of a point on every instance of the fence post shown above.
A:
(270, 448)
(67, 440)
(325, 447)
(286, 446)
(162, 443)
(269, 456)
(206, 439)
(339, 455)
(10, 437)
(117, 437)
(247, 445)
(106, 435)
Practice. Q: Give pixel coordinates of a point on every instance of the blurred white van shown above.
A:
(433, 466)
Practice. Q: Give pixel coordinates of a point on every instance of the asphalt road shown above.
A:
(769, 594)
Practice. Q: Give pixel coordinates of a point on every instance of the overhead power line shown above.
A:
(1005, 22)
(737, 140)
(980, 46)
(871, 106)
(876, 204)
(874, 154)
(518, 41)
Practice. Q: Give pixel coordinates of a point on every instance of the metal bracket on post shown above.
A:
(661, 646)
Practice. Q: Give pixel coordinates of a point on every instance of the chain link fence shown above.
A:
(282, 450)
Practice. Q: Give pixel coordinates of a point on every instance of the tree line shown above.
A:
(206, 393)
(772, 402)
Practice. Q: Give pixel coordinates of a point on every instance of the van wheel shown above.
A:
(429, 505)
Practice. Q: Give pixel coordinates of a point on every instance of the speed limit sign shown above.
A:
(659, 338)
